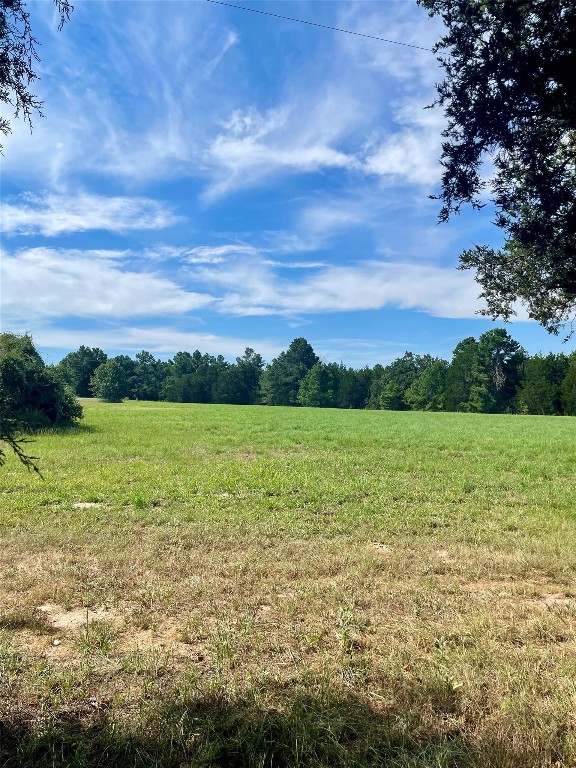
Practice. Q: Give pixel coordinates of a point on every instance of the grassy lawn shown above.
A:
(247, 586)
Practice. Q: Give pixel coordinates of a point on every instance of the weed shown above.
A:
(96, 637)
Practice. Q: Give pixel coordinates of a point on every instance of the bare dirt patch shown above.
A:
(556, 599)
(384, 549)
(87, 504)
(61, 619)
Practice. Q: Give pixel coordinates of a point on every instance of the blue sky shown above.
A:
(210, 178)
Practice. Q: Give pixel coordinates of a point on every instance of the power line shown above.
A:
(315, 24)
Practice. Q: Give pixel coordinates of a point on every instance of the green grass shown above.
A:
(247, 586)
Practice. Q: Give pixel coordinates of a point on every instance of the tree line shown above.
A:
(491, 374)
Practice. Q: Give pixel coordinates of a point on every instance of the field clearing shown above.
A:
(247, 586)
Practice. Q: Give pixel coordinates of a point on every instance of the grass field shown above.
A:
(248, 586)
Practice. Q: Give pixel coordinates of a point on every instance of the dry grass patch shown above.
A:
(430, 659)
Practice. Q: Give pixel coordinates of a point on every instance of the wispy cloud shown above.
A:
(45, 282)
(295, 264)
(359, 352)
(368, 285)
(163, 340)
(51, 214)
(403, 22)
(142, 98)
(215, 254)
(292, 138)
(410, 152)
(303, 159)
(198, 127)
(197, 254)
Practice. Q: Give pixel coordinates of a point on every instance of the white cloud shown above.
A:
(215, 254)
(295, 264)
(140, 115)
(411, 152)
(300, 136)
(399, 21)
(368, 285)
(333, 217)
(52, 214)
(125, 94)
(45, 282)
(158, 340)
(357, 352)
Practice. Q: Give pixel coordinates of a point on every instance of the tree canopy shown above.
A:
(509, 97)
(281, 380)
(78, 368)
(18, 54)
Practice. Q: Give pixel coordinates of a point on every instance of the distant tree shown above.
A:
(509, 96)
(147, 377)
(178, 389)
(540, 389)
(193, 378)
(484, 375)
(179, 385)
(427, 392)
(210, 372)
(112, 381)
(568, 388)
(281, 379)
(503, 360)
(239, 384)
(353, 387)
(466, 385)
(18, 53)
(388, 389)
(78, 368)
(319, 387)
(251, 366)
(184, 363)
(231, 387)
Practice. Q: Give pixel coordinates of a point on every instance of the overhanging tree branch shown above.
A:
(18, 55)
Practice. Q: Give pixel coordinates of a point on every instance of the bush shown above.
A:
(32, 395)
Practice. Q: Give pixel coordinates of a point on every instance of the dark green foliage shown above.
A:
(78, 368)
(502, 361)
(319, 387)
(33, 395)
(353, 387)
(193, 378)
(568, 388)
(428, 391)
(488, 375)
(509, 95)
(281, 380)
(389, 386)
(251, 366)
(484, 375)
(540, 389)
(147, 377)
(239, 384)
(462, 375)
(112, 381)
